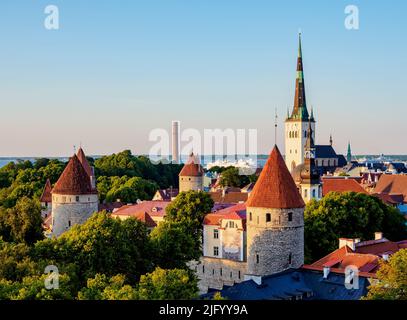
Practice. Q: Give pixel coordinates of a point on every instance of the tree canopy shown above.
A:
(391, 283)
(348, 215)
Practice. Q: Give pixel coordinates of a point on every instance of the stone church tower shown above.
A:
(306, 175)
(191, 175)
(296, 124)
(275, 221)
(74, 196)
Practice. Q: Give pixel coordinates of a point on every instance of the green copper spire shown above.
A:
(349, 155)
(300, 111)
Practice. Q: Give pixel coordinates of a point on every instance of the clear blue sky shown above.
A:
(117, 69)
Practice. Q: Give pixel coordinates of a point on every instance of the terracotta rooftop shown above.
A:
(146, 218)
(229, 197)
(84, 161)
(275, 187)
(74, 180)
(152, 207)
(192, 168)
(236, 212)
(46, 193)
(392, 184)
(341, 185)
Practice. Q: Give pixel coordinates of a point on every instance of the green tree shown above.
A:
(231, 178)
(23, 222)
(348, 215)
(391, 283)
(101, 245)
(103, 288)
(162, 284)
(174, 245)
(190, 208)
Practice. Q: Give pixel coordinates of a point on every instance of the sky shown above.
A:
(115, 70)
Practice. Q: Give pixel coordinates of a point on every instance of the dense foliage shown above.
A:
(391, 283)
(348, 215)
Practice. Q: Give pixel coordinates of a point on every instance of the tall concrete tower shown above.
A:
(275, 221)
(175, 142)
(296, 124)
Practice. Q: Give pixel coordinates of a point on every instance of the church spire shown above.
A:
(300, 106)
(349, 155)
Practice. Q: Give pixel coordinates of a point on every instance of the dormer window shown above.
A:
(268, 217)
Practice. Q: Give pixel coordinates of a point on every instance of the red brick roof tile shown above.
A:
(84, 161)
(46, 193)
(275, 187)
(392, 184)
(192, 168)
(341, 185)
(74, 180)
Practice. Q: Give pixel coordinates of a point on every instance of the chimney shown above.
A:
(175, 142)
(93, 182)
(326, 272)
(348, 242)
(378, 235)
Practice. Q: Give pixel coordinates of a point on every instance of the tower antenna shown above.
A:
(74, 149)
(275, 126)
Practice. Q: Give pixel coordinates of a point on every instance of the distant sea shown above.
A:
(260, 159)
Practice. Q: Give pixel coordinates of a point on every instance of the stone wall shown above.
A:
(276, 245)
(215, 273)
(67, 211)
(190, 183)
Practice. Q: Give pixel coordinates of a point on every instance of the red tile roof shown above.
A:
(341, 185)
(392, 184)
(84, 161)
(392, 199)
(236, 212)
(153, 208)
(229, 197)
(74, 180)
(146, 218)
(46, 193)
(192, 168)
(275, 187)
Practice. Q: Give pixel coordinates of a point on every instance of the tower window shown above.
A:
(239, 274)
(77, 198)
(279, 219)
(250, 216)
(313, 193)
(257, 258)
(213, 271)
(69, 223)
(268, 217)
(290, 216)
(221, 272)
(289, 258)
(216, 251)
(231, 274)
(216, 234)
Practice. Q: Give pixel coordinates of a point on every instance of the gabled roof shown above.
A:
(152, 207)
(192, 168)
(275, 188)
(82, 158)
(392, 184)
(46, 193)
(146, 218)
(229, 197)
(236, 212)
(325, 151)
(341, 185)
(74, 180)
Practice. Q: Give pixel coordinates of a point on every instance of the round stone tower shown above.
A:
(74, 199)
(191, 175)
(275, 221)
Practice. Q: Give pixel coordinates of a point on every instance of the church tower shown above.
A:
(349, 154)
(275, 221)
(296, 124)
(191, 175)
(310, 186)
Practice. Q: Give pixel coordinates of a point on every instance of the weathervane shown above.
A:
(275, 126)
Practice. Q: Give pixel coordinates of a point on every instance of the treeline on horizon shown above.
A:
(119, 176)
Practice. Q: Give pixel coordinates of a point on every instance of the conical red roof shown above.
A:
(74, 180)
(84, 161)
(192, 168)
(275, 188)
(46, 193)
